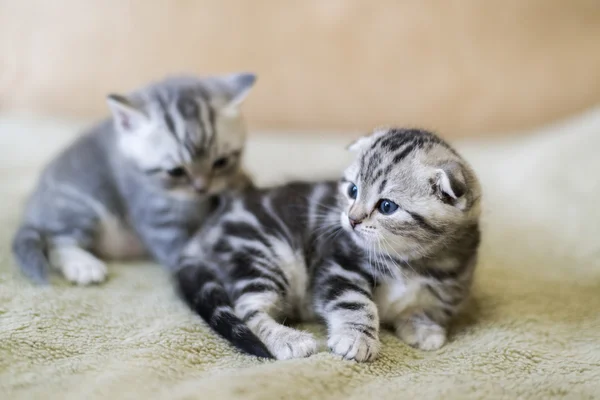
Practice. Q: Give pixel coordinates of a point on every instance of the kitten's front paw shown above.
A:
(424, 337)
(78, 266)
(354, 345)
(291, 343)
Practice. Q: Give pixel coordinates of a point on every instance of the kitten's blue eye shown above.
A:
(387, 207)
(352, 191)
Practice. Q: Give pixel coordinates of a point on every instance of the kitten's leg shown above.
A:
(76, 264)
(343, 298)
(420, 331)
(426, 329)
(70, 224)
(258, 307)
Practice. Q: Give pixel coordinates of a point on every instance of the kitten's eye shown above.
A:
(220, 162)
(176, 172)
(387, 207)
(352, 191)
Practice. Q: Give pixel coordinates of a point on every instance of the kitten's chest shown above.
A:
(116, 240)
(398, 296)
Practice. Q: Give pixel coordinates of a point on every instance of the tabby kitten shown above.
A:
(394, 242)
(142, 180)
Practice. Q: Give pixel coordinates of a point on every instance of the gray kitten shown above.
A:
(393, 242)
(140, 181)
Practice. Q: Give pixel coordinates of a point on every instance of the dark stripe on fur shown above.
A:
(374, 161)
(256, 287)
(244, 268)
(222, 246)
(272, 225)
(405, 152)
(169, 121)
(191, 281)
(435, 293)
(352, 261)
(250, 315)
(187, 107)
(419, 219)
(349, 305)
(441, 275)
(338, 285)
(211, 117)
(363, 328)
(152, 171)
(246, 231)
(189, 144)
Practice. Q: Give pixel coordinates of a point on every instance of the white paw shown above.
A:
(77, 265)
(287, 343)
(424, 337)
(354, 345)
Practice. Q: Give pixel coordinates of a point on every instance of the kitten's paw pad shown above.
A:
(292, 343)
(78, 266)
(354, 345)
(426, 338)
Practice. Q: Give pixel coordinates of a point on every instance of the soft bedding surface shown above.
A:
(532, 329)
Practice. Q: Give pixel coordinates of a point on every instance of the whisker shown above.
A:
(398, 267)
(383, 262)
(420, 251)
(369, 263)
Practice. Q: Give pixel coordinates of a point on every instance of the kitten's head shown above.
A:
(406, 192)
(187, 134)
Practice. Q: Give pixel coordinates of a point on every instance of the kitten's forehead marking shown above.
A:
(392, 148)
(187, 106)
(189, 119)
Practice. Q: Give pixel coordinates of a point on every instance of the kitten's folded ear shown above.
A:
(365, 141)
(127, 117)
(359, 144)
(450, 183)
(238, 87)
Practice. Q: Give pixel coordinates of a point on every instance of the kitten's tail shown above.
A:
(29, 249)
(206, 295)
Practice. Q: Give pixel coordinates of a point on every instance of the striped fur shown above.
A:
(142, 180)
(290, 253)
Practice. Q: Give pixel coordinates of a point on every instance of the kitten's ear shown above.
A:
(359, 144)
(127, 117)
(365, 141)
(450, 184)
(238, 87)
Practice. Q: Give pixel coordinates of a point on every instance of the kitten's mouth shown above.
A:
(357, 231)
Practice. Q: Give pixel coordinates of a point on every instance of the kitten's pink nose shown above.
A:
(201, 184)
(354, 222)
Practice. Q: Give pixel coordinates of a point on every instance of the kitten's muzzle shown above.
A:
(354, 222)
(201, 185)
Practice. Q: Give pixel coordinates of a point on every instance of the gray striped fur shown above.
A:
(112, 193)
(290, 253)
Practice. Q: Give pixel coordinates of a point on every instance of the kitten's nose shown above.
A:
(201, 184)
(354, 222)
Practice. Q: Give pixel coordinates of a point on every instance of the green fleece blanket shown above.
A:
(532, 329)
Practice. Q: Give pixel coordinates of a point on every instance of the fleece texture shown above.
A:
(531, 330)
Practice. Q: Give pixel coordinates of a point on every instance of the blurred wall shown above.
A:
(461, 67)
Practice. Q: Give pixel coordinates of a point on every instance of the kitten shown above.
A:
(394, 242)
(141, 181)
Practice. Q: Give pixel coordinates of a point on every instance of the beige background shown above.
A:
(461, 67)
